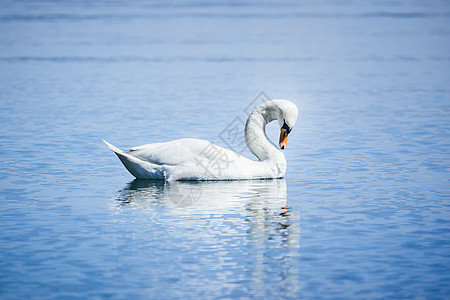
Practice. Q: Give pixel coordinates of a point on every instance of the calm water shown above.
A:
(362, 213)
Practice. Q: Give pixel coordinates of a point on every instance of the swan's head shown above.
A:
(287, 117)
(284, 111)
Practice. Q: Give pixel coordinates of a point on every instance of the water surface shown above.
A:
(363, 211)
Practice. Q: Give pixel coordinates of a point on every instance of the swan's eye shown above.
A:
(285, 126)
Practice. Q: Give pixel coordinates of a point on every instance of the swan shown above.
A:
(195, 159)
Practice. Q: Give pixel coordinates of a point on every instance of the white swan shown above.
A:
(194, 159)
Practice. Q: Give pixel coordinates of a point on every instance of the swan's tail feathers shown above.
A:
(112, 147)
(138, 168)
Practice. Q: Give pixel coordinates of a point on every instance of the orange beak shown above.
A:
(283, 138)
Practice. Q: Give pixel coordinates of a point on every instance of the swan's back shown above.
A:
(177, 152)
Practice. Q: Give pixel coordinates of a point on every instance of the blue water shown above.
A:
(363, 211)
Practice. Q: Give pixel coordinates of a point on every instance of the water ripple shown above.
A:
(58, 17)
(221, 59)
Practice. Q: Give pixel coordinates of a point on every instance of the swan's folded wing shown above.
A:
(177, 152)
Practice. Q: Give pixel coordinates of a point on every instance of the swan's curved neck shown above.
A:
(256, 138)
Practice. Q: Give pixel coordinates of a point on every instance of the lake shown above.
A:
(362, 213)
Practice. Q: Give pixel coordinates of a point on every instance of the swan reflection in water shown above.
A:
(253, 214)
